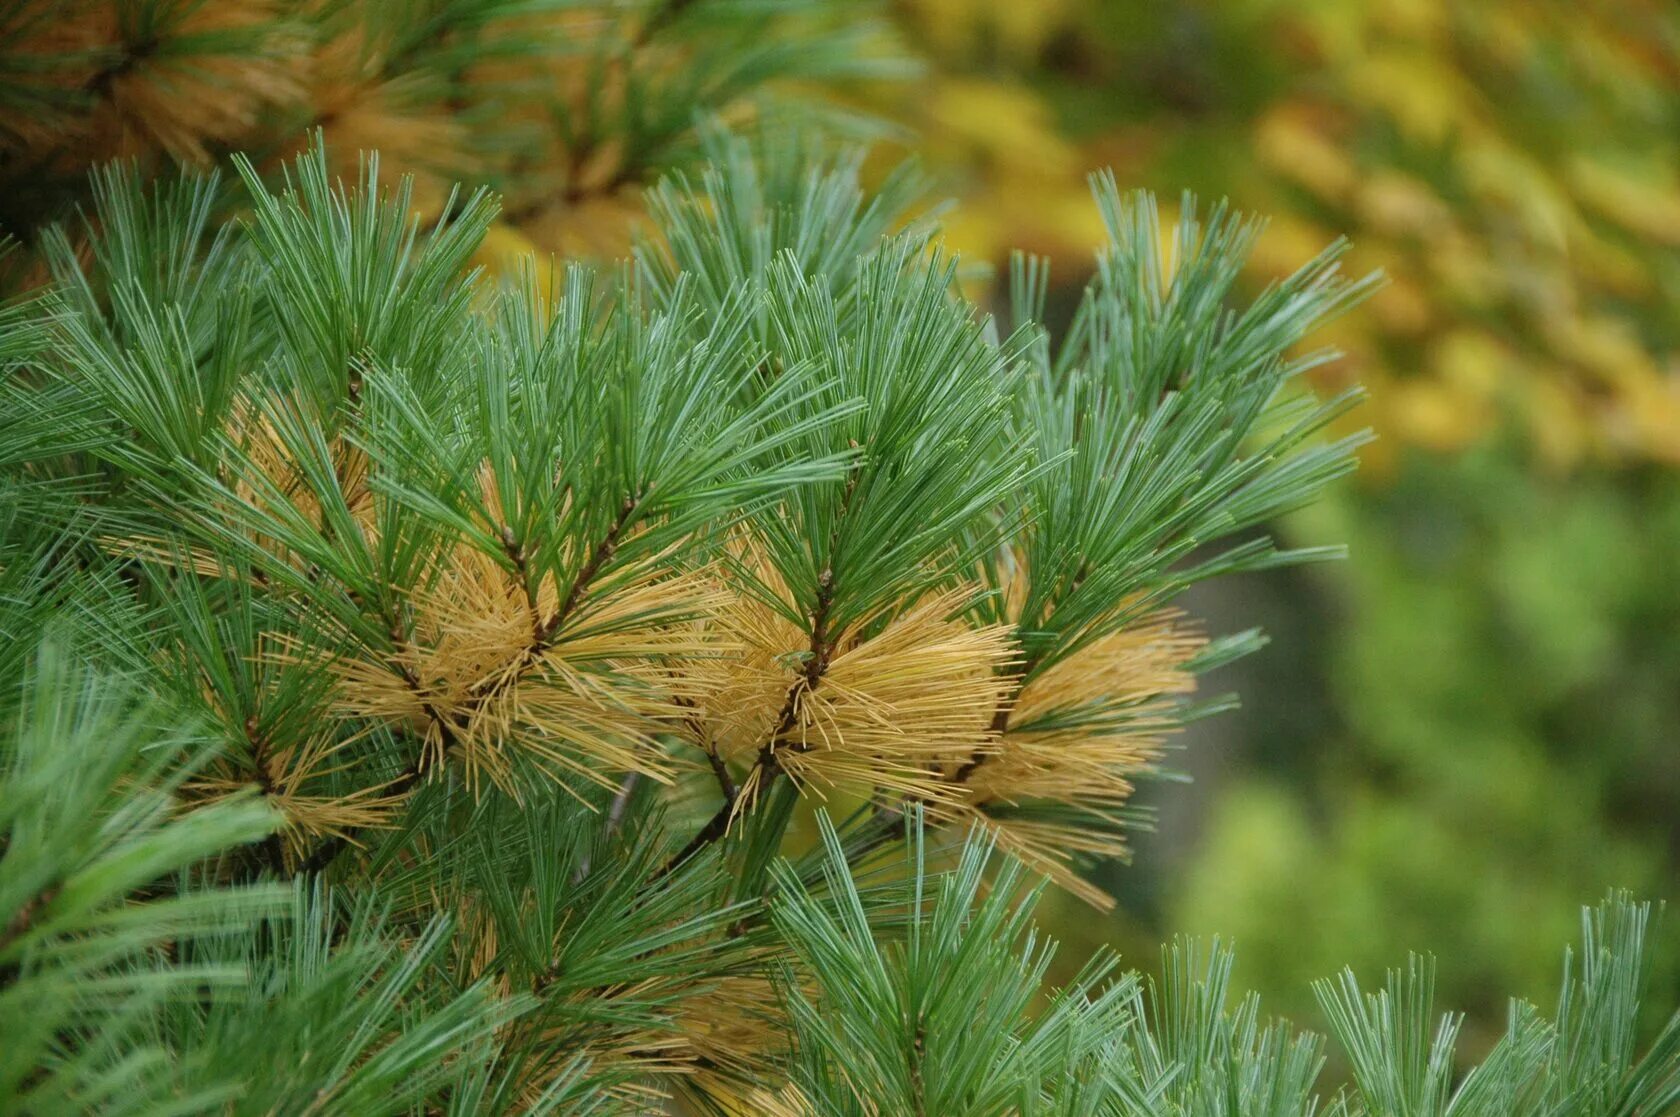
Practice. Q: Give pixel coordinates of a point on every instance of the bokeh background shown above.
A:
(1472, 726)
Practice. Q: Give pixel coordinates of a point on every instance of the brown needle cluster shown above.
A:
(927, 706)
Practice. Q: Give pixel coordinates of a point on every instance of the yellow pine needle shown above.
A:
(266, 476)
(735, 1024)
(888, 714)
(307, 816)
(1050, 849)
(722, 1027)
(744, 691)
(893, 710)
(285, 773)
(646, 1050)
(265, 451)
(166, 552)
(756, 1101)
(170, 91)
(718, 1031)
(476, 674)
(1140, 668)
(587, 700)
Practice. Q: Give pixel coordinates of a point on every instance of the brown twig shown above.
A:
(767, 768)
(272, 848)
(885, 815)
(998, 727)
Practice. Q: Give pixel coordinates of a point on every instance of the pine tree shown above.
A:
(412, 681)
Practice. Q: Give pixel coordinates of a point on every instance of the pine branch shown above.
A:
(766, 769)
(326, 851)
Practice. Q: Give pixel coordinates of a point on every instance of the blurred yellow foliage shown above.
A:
(1512, 165)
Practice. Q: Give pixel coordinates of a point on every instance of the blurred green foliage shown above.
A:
(1496, 736)
(1514, 165)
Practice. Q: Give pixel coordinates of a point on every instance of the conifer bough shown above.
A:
(411, 681)
(570, 108)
